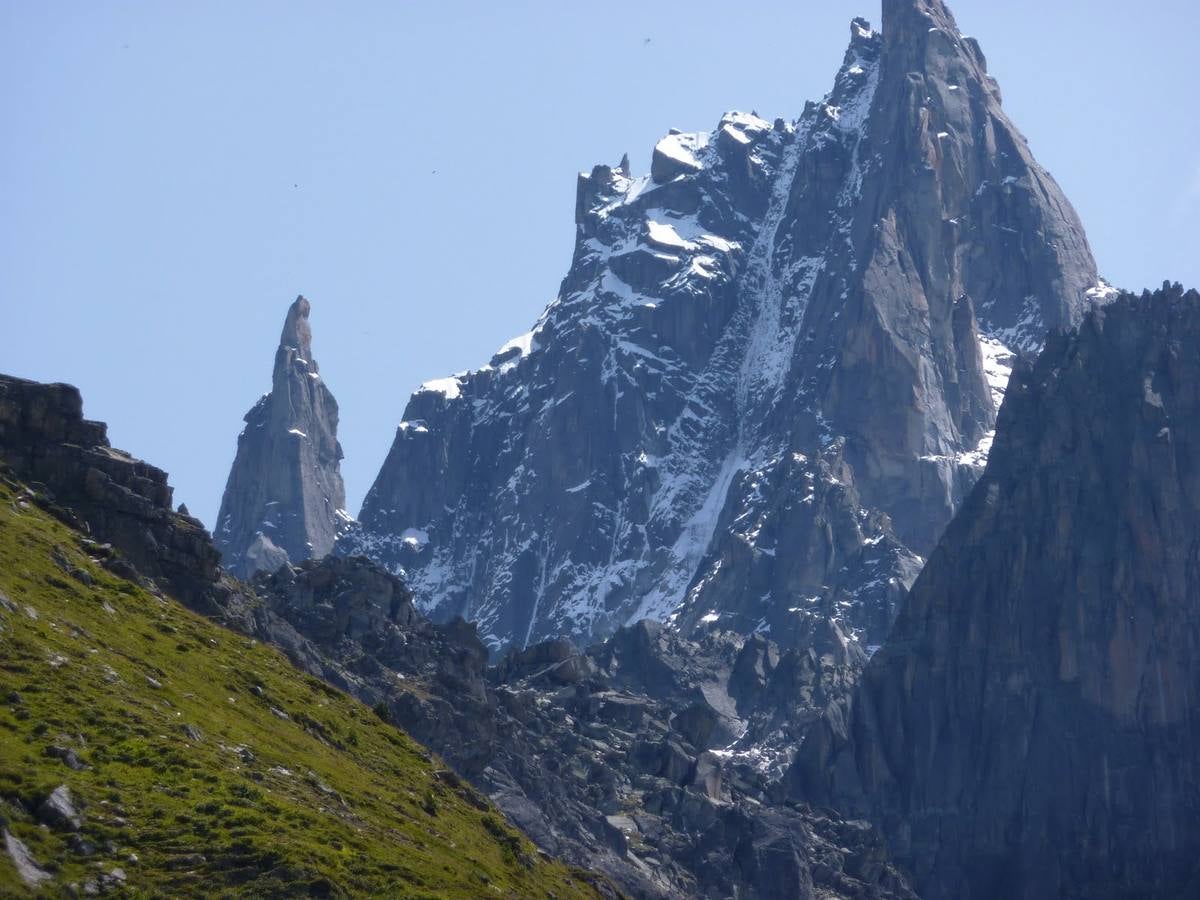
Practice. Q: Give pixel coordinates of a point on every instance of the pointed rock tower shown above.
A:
(284, 499)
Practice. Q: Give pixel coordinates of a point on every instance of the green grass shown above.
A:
(329, 801)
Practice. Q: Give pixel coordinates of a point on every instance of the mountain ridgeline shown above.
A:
(769, 377)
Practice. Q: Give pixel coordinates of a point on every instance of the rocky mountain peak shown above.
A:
(118, 500)
(297, 333)
(910, 18)
(923, 38)
(769, 377)
(285, 500)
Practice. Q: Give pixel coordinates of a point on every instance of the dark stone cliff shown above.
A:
(615, 758)
(1031, 727)
(122, 503)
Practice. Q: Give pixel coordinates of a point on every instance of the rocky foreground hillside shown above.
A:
(768, 378)
(147, 751)
(1031, 728)
(650, 758)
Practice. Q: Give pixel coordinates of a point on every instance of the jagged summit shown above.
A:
(768, 378)
(911, 16)
(297, 333)
(285, 500)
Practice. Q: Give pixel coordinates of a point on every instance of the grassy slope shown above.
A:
(329, 800)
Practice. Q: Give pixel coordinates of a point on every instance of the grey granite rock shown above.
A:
(285, 500)
(59, 811)
(824, 303)
(120, 501)
(27, 867)
(1030, 729)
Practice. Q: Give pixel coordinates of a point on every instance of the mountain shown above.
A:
(769, 376)
(651, 758)
(1030, 727)
(285, 500)
(147, 751)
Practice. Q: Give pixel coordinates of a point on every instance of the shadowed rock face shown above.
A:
(768, 378)
(285, 500)
(122, 503)
(1030, 728)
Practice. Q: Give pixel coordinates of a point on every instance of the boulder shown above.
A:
(59, 810)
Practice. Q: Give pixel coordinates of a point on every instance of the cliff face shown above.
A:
(1030, 727)
(285, 499)
(829, 302)
(115, 498)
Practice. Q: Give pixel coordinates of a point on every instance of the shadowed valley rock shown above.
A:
(1030, 727)
(650, 758)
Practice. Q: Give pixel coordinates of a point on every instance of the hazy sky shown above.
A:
(172, 174)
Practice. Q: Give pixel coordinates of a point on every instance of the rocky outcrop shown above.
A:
(285, 500)
(343, 620)
(768, 378)
(120, 501)
(1030, 727)
(649, 758)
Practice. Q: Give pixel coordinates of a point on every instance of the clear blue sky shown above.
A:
(172, 174)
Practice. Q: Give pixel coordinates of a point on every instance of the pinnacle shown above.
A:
(296, 330)
(903, 15)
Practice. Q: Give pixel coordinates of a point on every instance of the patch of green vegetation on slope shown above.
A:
(213, 767)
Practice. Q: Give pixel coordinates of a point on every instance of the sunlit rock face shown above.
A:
(285, 500)
(769, 376)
